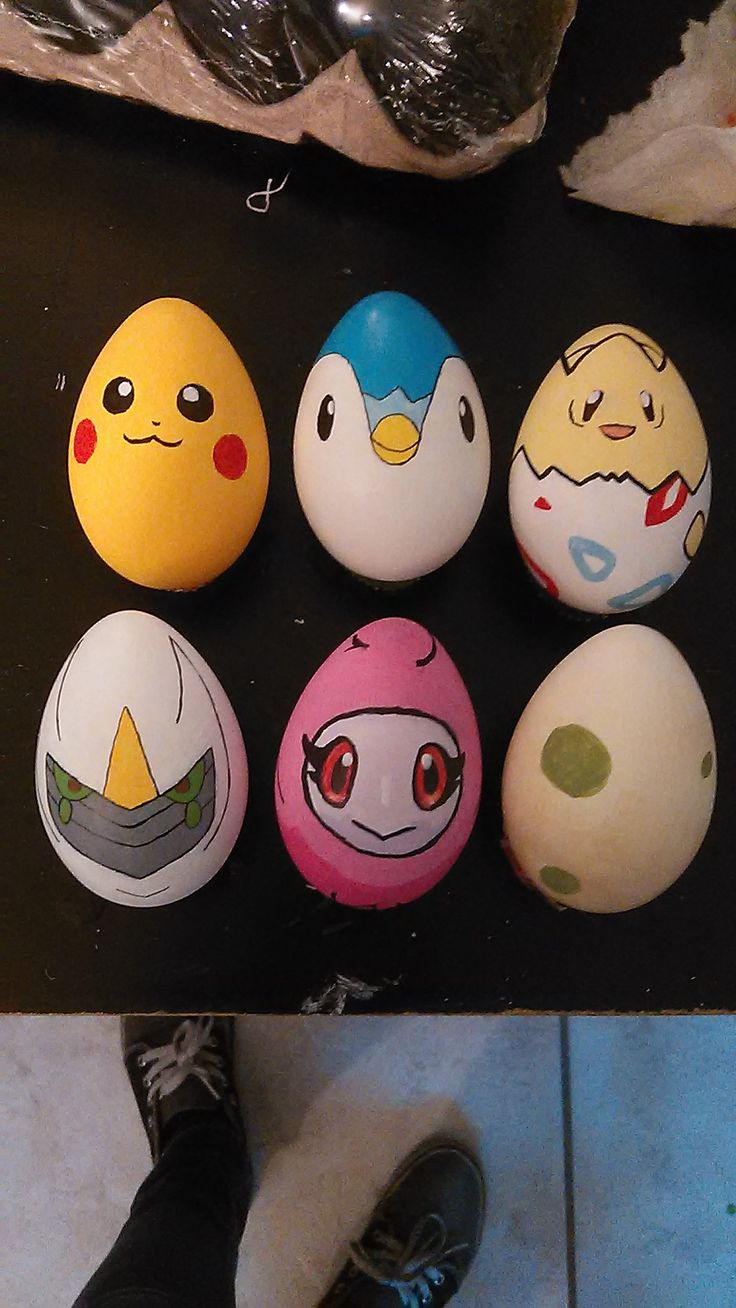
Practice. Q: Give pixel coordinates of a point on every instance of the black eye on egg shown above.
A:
(467, 418)
(195, 402)
(647, 404)
(326, 418)
(591, 404)
(118, 395)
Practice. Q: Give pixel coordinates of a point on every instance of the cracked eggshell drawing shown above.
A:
(141, 772)
(379, 771)
(610, 482)
(610, 777)
(391, 449)
(168, 455)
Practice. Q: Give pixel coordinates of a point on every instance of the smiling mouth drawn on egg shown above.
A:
(383, 835)
(146, 440)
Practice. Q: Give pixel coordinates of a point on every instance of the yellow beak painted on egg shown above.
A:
(128, 781)
(395, 439)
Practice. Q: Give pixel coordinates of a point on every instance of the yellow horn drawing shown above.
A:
(128, 781)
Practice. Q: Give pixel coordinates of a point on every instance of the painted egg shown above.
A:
(379, 771)
(610, 481)
(610, 777)
(168, 456)
(141, 773)
(391, 450)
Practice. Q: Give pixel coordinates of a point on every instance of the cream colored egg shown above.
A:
(610, 777)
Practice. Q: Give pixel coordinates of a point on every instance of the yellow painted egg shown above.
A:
(610, 777)
(610, 482)
(168, 455)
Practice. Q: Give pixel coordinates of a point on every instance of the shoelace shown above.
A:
(414, 1267)
(190, 1053)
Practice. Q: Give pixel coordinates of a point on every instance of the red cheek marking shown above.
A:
(542, 503)
(230, 457)
(85, 440)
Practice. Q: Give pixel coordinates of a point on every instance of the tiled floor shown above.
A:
(611, 1174)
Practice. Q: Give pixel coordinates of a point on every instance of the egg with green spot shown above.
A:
(610, 777)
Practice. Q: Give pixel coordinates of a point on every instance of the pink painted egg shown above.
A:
(379, 771)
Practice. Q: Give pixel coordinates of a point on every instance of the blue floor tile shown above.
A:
(654, 1158)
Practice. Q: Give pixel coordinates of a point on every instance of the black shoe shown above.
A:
(180, 1065)
(422, 1237)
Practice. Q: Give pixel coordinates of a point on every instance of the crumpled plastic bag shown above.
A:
(673, 157)
(446, 87)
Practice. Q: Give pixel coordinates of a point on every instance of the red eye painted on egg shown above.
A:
(85, 440)
(230, 457)
(433, 782)
(337, 771)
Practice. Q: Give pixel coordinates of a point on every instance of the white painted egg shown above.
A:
(391, 450)
(610, 483)
(141, 772)
(610, 777)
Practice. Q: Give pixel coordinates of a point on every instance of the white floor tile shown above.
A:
(332, 1104)
(336, 1103)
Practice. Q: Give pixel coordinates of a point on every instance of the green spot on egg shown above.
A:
(65, 810)
(731, 1210)
(706, 767)
(576, 761)
(559, 881)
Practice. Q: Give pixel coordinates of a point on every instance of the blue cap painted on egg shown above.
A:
(393, 343)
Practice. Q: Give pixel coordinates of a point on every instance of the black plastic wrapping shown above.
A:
(83, 26)
(447, 77)
(451, 71)
(267, 49)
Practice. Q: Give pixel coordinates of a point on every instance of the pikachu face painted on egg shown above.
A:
(610, 481)
(168, 456)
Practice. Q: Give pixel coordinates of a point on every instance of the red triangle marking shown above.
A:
(542, 503)
(663, 505)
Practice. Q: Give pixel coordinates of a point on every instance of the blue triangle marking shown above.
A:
(586, 552)
(649, 591)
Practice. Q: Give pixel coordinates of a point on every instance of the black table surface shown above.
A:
(107, 205)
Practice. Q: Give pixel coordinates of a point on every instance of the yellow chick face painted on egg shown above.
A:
(610, 483)
(168, 455)
(615, 405)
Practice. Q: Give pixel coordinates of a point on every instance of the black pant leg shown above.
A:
(179, 1247)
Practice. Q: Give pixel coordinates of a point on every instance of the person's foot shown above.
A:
(422, 1237)
(179, 1065)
